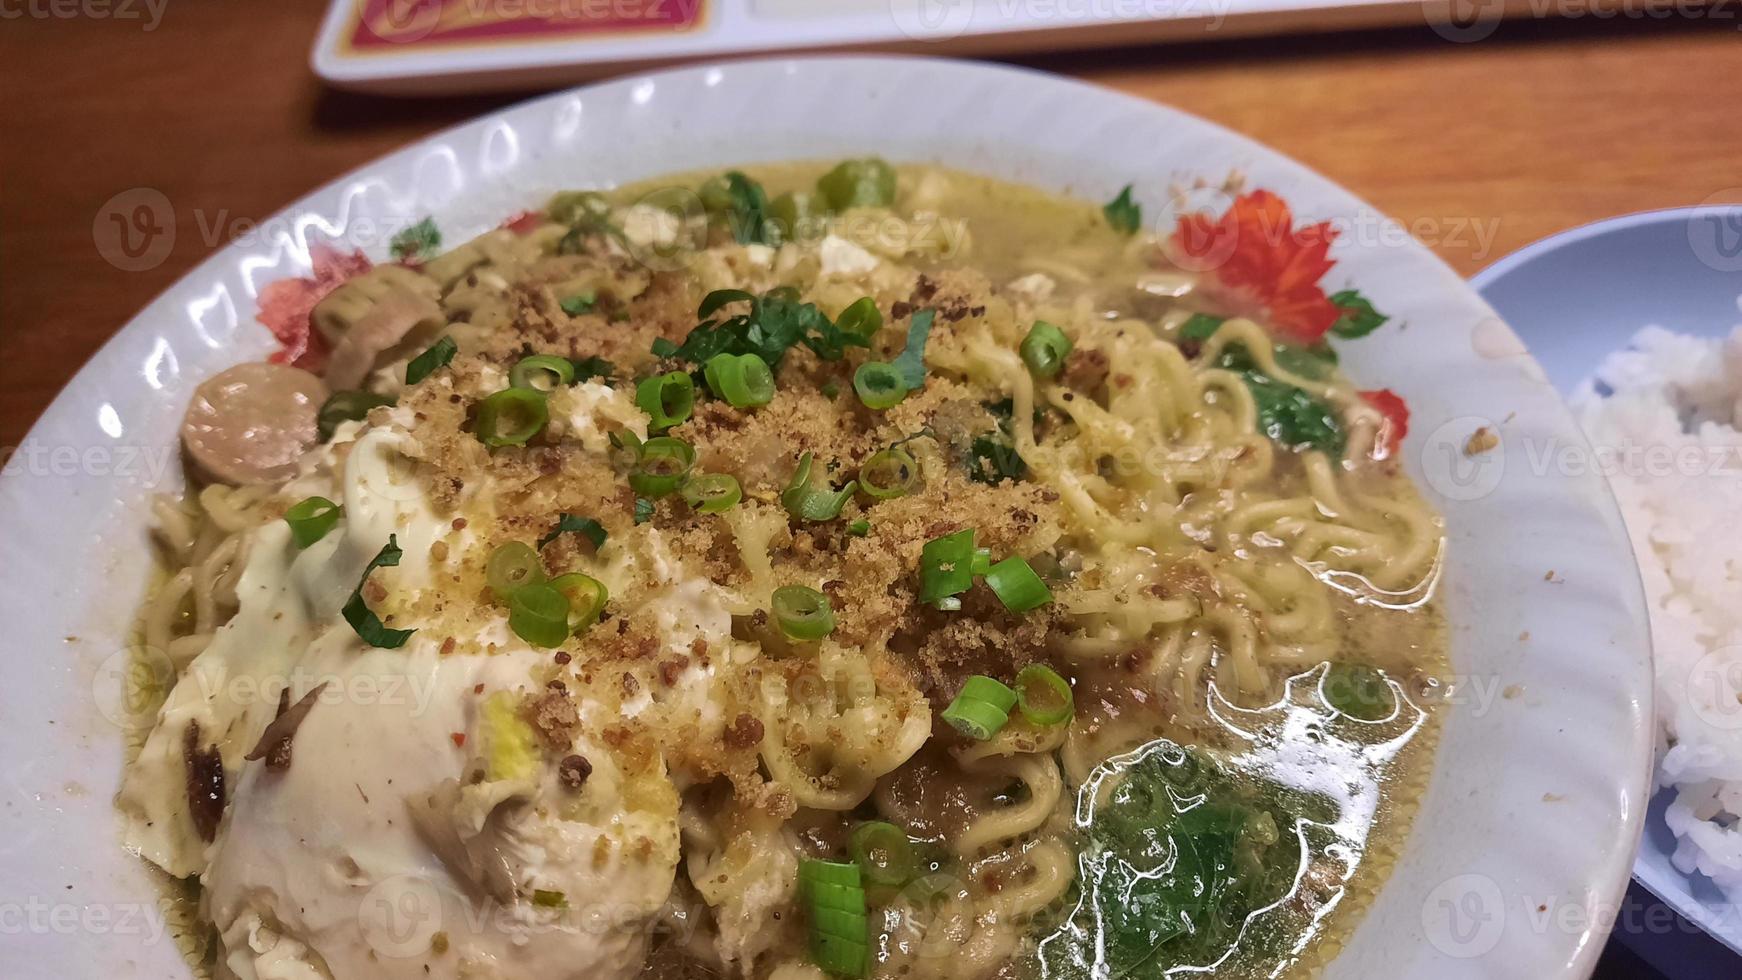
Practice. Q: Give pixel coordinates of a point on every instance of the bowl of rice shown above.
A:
(1638, 322)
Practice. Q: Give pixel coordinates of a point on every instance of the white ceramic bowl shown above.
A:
(1529, 825)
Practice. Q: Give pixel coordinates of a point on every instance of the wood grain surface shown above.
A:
(1478, 148)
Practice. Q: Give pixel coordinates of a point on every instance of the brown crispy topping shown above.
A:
(670, 669)
(553, 715)
(573, 771)
(744, 732)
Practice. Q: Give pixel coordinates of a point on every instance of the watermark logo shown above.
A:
(129, 685)
(1465, 21)
(1464, 917)
(1715, 235)
(400, 916)
(1714, 689)
(1463, 459)
(932, 20)
(401, 21)
(150, 12)
(135, 230)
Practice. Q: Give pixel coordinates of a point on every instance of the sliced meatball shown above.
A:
(251, 424)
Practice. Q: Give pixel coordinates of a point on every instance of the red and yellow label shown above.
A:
(384, 25)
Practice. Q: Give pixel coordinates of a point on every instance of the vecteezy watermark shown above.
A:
(1713, 688)
(1463, 459)
(35, 916)
(410, 21)
(130, 684)
(144, 466)
(135, 230)
(1365, 228)
(148, 12)
(944, 20)
(1715, 233)
(409, 915)
(1469, 21)
(1464, 917)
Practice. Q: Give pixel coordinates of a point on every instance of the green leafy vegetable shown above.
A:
(361, 617)
(992, 458)
(747, 212)
(1288, 415)
(772, 325)
(579, 303)
(566, 523)
(643, 510)
(1359, 317)
(347, 406)
(911, 363)
(438, 355)
(588, 368)
(420, 241)
(1124, 215)
(1200, 326)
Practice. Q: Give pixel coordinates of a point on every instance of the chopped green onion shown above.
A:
(625, 447)
(1358, 691)
(565, 523)
(311, 519)
(438, 355)
(831, 388)
(539, 614)
(712, 493)
(1044, 349)
(512, 416)
(545, 898)
(882, 852)
(1043, 696)
(666, 398)
(879, 385)
(990, 690)
(889, 473)
(587, 597)
(743, 380)
(663, 466)
(982, 560)
(803, 613)
(790, 209)
(976, 717)
(808, 503)
(569, 207)
(859, 528)
(347, 406)
(579, 303)
(361, 617)
(512, 567)
(949, 604)
(813, 872)
(861, 318)
(835, 900)
(541, 372)
(867, 182)
(946, 566)
(1015, 583)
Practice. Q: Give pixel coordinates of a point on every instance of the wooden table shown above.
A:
(1482, 147)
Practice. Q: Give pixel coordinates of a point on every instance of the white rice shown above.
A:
(1667, 437)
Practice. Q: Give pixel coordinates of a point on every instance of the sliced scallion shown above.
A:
(512, 416)
(1044, 350)
(882, 852)
(311, 519)
(861, 318)
(810, 503)
(946, 566)
(889, 473)
(663, 465)
(347, 406)
(587, 597)
(859, 528)
(982, 560)
(803, 613)
(879, 385)
(1043, 697)
(666, 398)
(712, 493)
(541, 372)
(512, 567)
(743, 380)
(539, 614)
(1017, 585)
(981, 709)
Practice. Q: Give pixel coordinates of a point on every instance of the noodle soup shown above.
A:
(813, 570)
